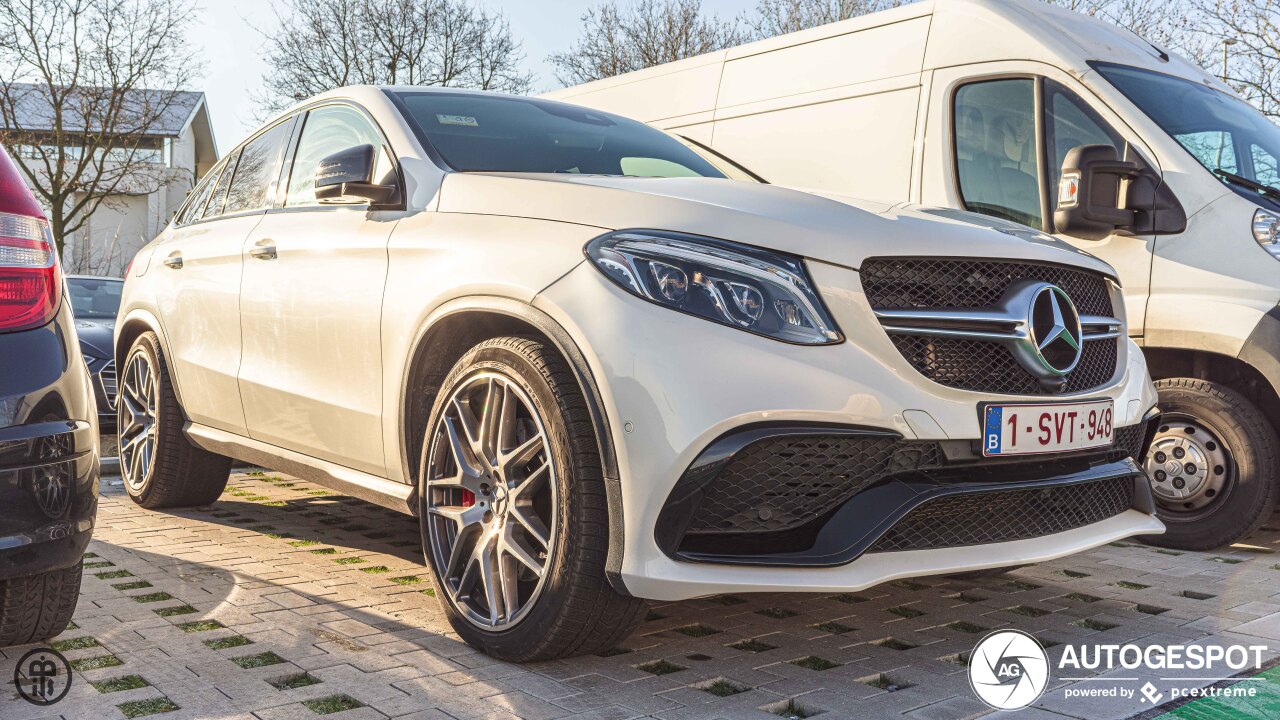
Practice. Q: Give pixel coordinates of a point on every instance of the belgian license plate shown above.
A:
(1038, 429)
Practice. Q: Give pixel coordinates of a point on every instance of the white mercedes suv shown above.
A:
(602, 364)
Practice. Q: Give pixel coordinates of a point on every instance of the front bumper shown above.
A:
(672, 384)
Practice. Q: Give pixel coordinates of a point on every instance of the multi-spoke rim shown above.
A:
(1189, 466)
(137, 419)
(490, 501)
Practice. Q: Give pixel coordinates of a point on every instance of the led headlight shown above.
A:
(760, 291)
(1266, 230)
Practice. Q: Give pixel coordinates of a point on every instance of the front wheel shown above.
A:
(514, 518)
(1213, 465)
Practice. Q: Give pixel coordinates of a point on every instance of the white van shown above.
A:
(1000, 106)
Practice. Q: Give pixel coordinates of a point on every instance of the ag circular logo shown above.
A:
(1008, 670)
(42, 676)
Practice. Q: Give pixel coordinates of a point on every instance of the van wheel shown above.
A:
(1212, 464)
(160, 467)
(514, 519)
(37, 607)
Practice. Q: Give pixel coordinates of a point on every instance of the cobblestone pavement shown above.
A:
(284, 600)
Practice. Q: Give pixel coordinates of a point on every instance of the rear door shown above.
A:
(311, 310)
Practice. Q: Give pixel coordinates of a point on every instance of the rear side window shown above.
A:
(195, 205)
(328, 130)
(996, 149)
(214, 208)
(258, 170)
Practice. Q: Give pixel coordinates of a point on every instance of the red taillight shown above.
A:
(30, 278)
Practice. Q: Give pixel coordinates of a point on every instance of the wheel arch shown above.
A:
(1237, 373)
(135, 323)
(460, 325)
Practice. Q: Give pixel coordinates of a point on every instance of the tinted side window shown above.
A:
(214, 208)
(195, 205)
(995, 145)
(258, 170)
(1070, 122)
(328, 130)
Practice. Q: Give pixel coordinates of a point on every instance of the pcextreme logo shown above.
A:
(1008, 670)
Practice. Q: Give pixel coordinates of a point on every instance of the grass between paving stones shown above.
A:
(903, 611)
(1021, 585)
(1151, 609)
(1091, 624)
(894, 644)
(303, 543)
(660, 667)
(1074, 573)
(98, 564)
(1028, 611)
(349, 560)
(292, 682)
(406, 580)
(777, 613)
(1131, 585)
(128, 682)
(723, 688)
(376, 570)
(696, 631)
(96, 663)
(332, 704)
(849, 598)
(965, 626)
(152, 597)
(230, 641)
(1081, 597)
(71, 626)
(260, 660)
(429, 592)
(135, 585)
(886, 683)
(1192, 594)
(834, 628)
(726, 600)
(1227, 560)
(324, 551)
(791, 708)
(813, 662)
(142, 708)
(113, 574)
(175, 610)
(79, 643)
(753, 646)
(201, 626)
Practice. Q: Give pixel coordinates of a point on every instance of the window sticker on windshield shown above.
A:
(465, 120)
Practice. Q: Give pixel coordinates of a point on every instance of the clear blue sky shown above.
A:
(230, 35)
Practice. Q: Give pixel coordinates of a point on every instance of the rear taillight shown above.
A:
(30, 278)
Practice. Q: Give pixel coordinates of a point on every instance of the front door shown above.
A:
(311, 309)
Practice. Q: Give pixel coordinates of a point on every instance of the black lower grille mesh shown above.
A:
(915, 282)
(985, 366)
(784, 482)
(1128, 441)
(1006, 515)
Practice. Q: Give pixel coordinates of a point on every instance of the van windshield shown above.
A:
(1225, 134)
(494, 133)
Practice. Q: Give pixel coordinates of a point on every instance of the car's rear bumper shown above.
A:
(48, 450)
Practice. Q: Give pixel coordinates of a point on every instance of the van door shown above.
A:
(996, 143)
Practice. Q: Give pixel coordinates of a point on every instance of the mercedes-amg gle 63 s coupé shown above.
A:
(603, 364)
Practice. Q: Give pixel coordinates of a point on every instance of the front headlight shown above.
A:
(1266, 230)
(760, 291)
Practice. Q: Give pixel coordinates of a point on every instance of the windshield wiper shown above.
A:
(1243, 181)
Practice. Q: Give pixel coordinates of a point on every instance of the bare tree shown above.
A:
(322, 44)
(777, 17)
(619, 39)
(84, 87)
(1253, 59)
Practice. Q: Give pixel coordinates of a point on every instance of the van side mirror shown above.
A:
(347, 177)
(1099, 195)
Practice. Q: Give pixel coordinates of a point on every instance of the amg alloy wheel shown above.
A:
(138, 418)
(491, 498)
(513, 508)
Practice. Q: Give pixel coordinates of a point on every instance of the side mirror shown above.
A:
(1099, 195)
(347, 177)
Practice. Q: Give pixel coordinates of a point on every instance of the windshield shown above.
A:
(493, 133)
(1225, 134)
(95, 298)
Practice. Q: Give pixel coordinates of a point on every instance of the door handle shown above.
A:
(264, 249)
(174, 261)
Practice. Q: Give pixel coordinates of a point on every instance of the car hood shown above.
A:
(96, 336)
(830, 228)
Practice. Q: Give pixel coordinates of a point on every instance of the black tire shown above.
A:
(1251, 473)
(576, 611)
(181, 474)
(37, 607)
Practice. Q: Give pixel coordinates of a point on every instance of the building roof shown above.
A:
(33, 110)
